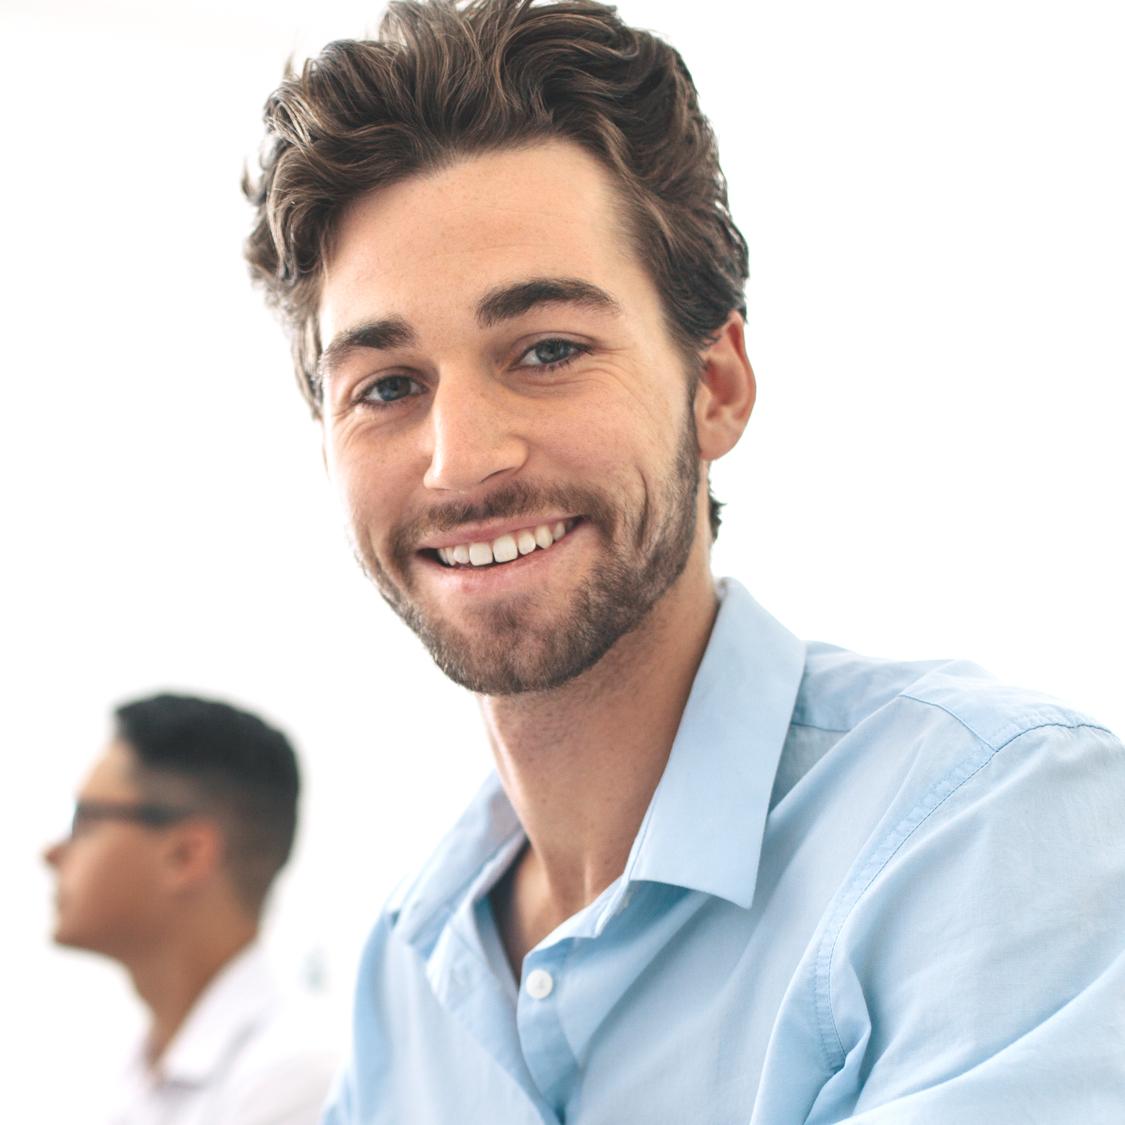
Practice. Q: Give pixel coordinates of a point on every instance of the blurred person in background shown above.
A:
(721, 875)
(178, 833)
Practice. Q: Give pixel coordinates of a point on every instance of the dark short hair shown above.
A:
(232, 766)
(447, 79)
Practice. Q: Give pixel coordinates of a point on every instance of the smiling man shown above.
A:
(720, 875)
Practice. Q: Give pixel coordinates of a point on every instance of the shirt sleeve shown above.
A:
(980, 975)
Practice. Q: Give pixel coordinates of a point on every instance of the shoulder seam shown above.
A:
(1078, 722)
(831, 1042)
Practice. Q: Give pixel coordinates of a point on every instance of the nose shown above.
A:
(475, 433)
(53, 853)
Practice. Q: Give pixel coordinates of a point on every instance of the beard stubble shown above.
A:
(645, 552)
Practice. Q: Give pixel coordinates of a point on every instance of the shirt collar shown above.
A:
(480, 846)
(227, 1010)
(704, 825)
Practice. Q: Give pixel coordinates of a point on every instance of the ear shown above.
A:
(725, 394)
(192, 854)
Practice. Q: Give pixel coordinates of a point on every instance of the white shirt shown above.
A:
(243, 1056)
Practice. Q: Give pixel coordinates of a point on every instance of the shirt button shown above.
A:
(539, 984)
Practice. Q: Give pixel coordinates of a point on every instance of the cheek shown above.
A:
(623, 457)
(86, 896)
(103, 879)
(370, 488)
(596, 440)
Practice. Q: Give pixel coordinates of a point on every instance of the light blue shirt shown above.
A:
(863, 891)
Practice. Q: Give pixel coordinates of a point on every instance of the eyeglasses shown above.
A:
(150, 815)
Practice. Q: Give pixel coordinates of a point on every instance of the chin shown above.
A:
(68, 938)
(61, 937)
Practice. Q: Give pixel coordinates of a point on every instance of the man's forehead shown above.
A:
(454, 234)
(113, 771)
(545, 179)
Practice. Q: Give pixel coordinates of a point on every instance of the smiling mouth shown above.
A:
(504, 548)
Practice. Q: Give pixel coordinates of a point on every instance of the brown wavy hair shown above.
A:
(444, 80)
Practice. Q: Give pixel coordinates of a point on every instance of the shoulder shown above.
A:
(287, 1067)
(841, 689)
(929, 717)
(909, 745)
(992, 860)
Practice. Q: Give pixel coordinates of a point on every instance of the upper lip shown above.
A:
(489, 530)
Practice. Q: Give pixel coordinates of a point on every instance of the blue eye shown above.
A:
(551, 353)
(391, 388)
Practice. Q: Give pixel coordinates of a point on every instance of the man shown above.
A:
(179, 830)
(720, 875)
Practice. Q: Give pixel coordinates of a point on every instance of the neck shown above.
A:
(580, 763)
(171, 979)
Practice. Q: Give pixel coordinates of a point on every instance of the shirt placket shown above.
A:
(546, 1049)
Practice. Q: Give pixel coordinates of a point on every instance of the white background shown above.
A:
(932, 196)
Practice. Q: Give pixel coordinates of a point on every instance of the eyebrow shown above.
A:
(390, 332)
(510, 301)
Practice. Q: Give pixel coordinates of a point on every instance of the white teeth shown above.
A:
(480, 554)
(504, 549)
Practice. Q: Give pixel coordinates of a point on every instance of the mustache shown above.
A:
(509, 501)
